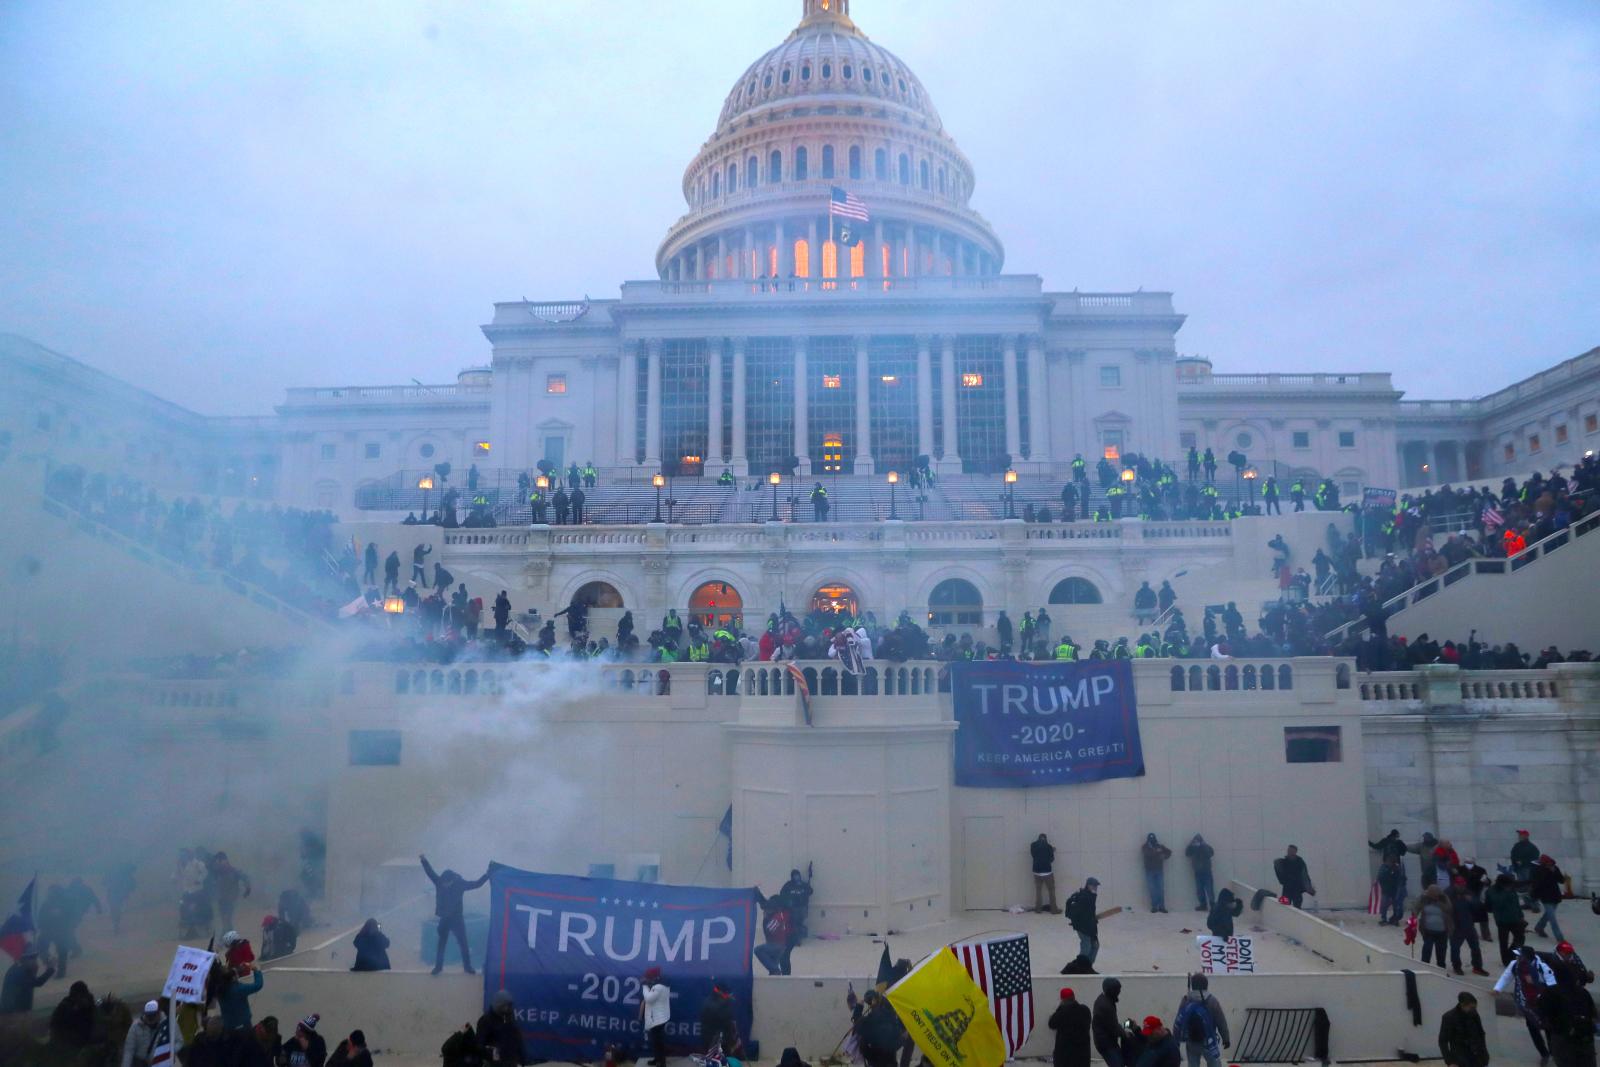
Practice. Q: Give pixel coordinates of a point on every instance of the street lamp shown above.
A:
(540, 483)
(658, 480)
(773, 479)
(425, 483)
(894, 480)
(1011, 493)
(1250, 476)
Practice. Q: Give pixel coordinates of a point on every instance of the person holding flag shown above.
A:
(15, 933)
(22, 978)
(149, 1042)
(946, 1013)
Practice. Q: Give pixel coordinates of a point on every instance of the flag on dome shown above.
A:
(845, 204)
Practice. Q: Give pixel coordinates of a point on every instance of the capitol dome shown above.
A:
(828, 113)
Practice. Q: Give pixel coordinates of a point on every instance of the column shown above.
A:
(802, 435)
(864, 464)
(740, 462)
(1038, 404)
(951, 463)
(916, 253)
(747, 256)
(813, 253)
(722, 256)
(652, 406)
(785, 251)
(875, 268)
(1012, 399)
(628, 416)
(925, 396)
(1433, 463)
(713, 407)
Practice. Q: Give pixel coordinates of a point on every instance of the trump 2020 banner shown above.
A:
(1033, 724)
(572, 953)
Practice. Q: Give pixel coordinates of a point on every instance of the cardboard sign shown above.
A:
(1226, 955)
(186, 982)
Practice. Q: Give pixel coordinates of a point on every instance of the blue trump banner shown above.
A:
(572, 952)
(1031, 724)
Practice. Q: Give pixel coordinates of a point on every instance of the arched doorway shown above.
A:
(598, 595)
(835, 598)
(955, 602)
(1075, 591)
(715, 603)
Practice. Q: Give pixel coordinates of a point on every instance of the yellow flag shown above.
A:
(947, 1014)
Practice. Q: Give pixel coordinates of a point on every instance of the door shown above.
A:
(555, 450)
(983, 862)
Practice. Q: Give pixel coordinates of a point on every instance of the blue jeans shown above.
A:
(1088, 946)
(1393, 902)
(1548, 915)
(1205, 895)
(1156, 884)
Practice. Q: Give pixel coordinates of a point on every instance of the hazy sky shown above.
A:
(221, 199)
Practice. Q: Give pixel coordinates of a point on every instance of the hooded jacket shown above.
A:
(1227, 908)
(1072, 1023)
(1104, 1024)
(1200, 853)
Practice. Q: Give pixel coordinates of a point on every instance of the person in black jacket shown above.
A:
(1227, 908)
(498, 1034)
(1547, 889)
(448, 889)
(1200, 853)
(1072, 1023)
(216, 1047)
(372, 948)
(719, 1026)
(1568, 1013)
(306, 1048)
(461, 1049)
(1043, 855)
(1104, 1025)
(1292, 875)
(22, 978)
(1461, 1040)
(1085, 920)
(877, 1028)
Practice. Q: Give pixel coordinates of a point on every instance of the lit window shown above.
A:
(1312, 744)
(555, 384)
(1302, 439)
(858, 259)
(1561, 434)
(1533, 442)
(1591, 423)
(830, 381)
(1111, 376)
(481, 448)
(1347, 439)
(372, 449)
(1511, 451)
(888, 379)
(802, 259)
(330, 451)
(970, 380)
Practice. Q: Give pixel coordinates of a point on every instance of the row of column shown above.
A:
(1433, 451)
(1038, 403)
(708, 258)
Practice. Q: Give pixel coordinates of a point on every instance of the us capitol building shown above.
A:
(777, 330)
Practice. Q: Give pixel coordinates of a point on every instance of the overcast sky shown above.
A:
(221, 199)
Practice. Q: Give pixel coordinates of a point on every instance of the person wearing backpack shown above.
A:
(1201, 1025)
(1081, 914)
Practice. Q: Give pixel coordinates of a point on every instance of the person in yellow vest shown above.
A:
(1066, 650)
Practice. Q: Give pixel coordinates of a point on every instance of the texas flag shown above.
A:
(16, 932)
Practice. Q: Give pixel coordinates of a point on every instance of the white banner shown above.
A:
(1226, 955)
(186, 982)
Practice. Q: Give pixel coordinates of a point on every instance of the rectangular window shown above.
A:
(1347, 439)
(1533, 442)
(971, 380)
(1112, 440)
(1591, 423)
(1312, 744)
(1302, 439)
(372, 449)
(1187, 440)
(1561, 434)
(830, 381)
(329, 451)
(1111, 377)
(1511, 451)
(374, 748)
(980, 405)
(555, 384)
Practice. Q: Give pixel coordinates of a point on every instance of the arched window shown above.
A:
(715, 604)
(802, 259)
(858, 260)
(1075, 591)
(955, 602)
(716, 185)
(923, 170)
(784, 77)
(905, 169)
(943, 182)
(830, 259)
(855, 161)
(775, 166)
(827, 70)
(598, 595)
(800, 164)
(750, 172)
(805, 72)
(1177, 679)
(827, 161)
(880, 165)
(733, 176)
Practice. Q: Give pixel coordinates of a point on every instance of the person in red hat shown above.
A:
(1569, 956)
(655, 1011)
(1071, 1022)
(1160, 1048)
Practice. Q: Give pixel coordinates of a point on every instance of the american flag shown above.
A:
(845, 205)
(1002, 969)
(801, 689)
(161, 1046)
(1492, 516)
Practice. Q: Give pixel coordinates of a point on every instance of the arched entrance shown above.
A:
(955, 602)
(715, 603)
(1075, 591)
(598, 595)
(835, 598)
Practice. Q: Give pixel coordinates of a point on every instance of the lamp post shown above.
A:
(1124, 507)
(1011, 493)
(1250, 476)
(425, 483)
(894, 480)
(773, 479)
(658, 480)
